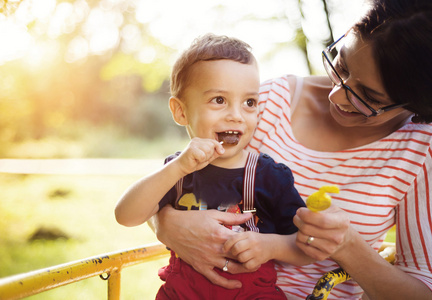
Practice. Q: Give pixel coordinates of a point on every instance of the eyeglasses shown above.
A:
(352, 97)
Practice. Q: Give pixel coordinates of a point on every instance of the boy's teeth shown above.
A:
(229, 137)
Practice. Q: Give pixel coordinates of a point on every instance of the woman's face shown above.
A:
(355, 62)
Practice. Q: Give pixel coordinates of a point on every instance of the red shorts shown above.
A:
(183, 282)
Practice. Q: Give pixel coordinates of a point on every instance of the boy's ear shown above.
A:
(177, 108)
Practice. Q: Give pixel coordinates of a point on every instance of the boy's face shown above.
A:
(220, 102)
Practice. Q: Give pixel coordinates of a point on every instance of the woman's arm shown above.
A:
(198, 238)
(378, 278)
(335, 238)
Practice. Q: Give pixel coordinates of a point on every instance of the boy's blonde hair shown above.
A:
(205, 48)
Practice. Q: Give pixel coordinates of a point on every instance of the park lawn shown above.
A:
(81, 208)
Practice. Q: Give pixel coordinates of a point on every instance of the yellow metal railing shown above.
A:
(108, 266)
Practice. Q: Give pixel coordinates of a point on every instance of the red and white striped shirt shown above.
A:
(381, 184)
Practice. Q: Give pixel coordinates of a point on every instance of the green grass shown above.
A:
(391, 235)
(82, 208)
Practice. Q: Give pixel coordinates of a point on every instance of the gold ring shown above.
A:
(310, 240)
(225, 268)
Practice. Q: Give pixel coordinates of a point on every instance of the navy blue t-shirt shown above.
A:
(276, 199)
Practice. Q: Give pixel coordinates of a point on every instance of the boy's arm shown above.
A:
(286, 250)
(141, 200)
(252, 249)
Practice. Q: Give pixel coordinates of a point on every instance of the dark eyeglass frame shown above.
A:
(327, 62)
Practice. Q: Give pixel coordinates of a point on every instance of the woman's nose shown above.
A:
(338, 95)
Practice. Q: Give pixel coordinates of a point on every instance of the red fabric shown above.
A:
(183, 282)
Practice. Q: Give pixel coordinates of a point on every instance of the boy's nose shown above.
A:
(235, 114)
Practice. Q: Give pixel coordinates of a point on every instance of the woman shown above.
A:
(365, 130)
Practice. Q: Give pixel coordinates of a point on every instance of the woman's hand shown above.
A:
(198, 238)
(335, 238)
(330, 230)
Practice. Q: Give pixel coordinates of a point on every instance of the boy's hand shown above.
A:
(198, 154)
(250, 248)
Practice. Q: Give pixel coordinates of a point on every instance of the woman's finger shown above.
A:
(237, 268)
(229, 244)
(313, 250)
(217, 279)
(227, 218)
(332, 218)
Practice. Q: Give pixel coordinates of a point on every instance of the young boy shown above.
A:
(214, 94)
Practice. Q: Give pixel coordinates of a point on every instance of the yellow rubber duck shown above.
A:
(320, 200)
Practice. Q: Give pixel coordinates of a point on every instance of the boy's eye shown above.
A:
(218, 100)
(251, 102)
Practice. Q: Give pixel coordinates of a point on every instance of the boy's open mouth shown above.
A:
(229, 137)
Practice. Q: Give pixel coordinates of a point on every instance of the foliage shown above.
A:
(74, 73)
(7, 7)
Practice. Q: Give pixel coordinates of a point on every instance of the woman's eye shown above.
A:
(218, 100)
(251, 103)
(371, 100)
(340, 68)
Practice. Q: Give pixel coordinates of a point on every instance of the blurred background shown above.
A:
(88, 82)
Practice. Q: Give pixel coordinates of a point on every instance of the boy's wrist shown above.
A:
(177, 169)
(276, 240)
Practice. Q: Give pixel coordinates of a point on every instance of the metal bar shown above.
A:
(114, 284)
(35, 282)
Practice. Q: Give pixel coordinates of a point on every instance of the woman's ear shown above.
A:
(177, 108)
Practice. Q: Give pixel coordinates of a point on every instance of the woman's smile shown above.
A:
(343, 109)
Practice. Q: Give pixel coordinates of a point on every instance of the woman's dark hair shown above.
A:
(400, 32)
